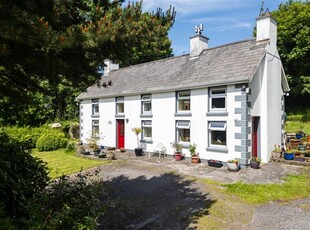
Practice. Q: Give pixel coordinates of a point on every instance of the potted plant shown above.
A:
(255, 162)
(194, 155)
(111, 156)
(289, 155)
(177, 150)
(233, 165)
(276, 153)
(122, 150)
(215, 163)
(138, 150)
(102, 154)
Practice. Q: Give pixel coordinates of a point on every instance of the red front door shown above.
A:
(255, 123)
(120, 134)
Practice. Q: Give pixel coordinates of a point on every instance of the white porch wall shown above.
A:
(274, 93)
(265, 97)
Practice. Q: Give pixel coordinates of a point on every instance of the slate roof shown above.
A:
(222, 65)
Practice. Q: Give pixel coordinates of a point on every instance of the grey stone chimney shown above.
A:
(109, 66)
(198, 43)
(266, 28)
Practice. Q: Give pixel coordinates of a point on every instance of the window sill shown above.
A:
(146, 115)
(95, 116)
(220, 150)
(217, 113)
(188, 114)
(146, 141)
(119, 115)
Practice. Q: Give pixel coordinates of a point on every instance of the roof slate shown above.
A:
(227, 64)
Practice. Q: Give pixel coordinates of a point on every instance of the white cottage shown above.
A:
(229, 100)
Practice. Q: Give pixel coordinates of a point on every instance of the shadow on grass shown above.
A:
(165, 202)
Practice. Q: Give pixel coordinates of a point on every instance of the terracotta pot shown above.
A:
(308, 138)
(195, 159)
(178, 156)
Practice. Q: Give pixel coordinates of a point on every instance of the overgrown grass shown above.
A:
(295, 126)
(62, 163)
(294, 187)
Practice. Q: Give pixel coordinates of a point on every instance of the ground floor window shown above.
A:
(183, 131)
(95, 129)
(146, 130)
(217, 134)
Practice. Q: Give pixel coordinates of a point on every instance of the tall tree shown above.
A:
(61, 43)
(294, 46)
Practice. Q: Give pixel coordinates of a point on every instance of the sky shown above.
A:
(224, 21)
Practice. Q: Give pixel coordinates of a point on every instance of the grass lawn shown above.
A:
(294, 127)
(60, 162)
(294, 187)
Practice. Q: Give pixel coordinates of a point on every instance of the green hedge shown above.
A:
(52, 140)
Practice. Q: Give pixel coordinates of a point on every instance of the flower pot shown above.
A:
(308, 138)
(215, 163)
(254, 164)
(234, 167)
(138, 152)
(178, 156)
(288, 156)
(195, 159)
(298, 136)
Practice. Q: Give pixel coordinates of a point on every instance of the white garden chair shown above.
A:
(160, 149)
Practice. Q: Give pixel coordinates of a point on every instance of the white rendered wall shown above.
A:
(265, 98)
(164, 122)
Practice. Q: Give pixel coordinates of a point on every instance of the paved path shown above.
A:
(164, 196)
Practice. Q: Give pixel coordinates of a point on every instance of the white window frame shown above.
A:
(119, 101)
(146, 99)
(95, 107)
(146, 124)
(182, 125)
(183, 97)
(95, 123)
(213, 95)
(217, 126)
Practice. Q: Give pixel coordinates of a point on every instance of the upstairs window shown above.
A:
(218, 99)
(120, 105)
(217, 134)
(146, 130)
(95, 107)
(95, 129)
(183, 101)
(183, 131)
(146, 104)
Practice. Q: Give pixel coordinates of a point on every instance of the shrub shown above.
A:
(52, 140)
(69, 203)
(294, 117)
(22, 177)
(70, 147)
(305, 117)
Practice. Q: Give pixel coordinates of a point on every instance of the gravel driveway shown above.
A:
(165, 194)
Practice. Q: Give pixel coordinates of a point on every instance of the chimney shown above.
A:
(198, 43)
(266, 28)
(109, 66)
